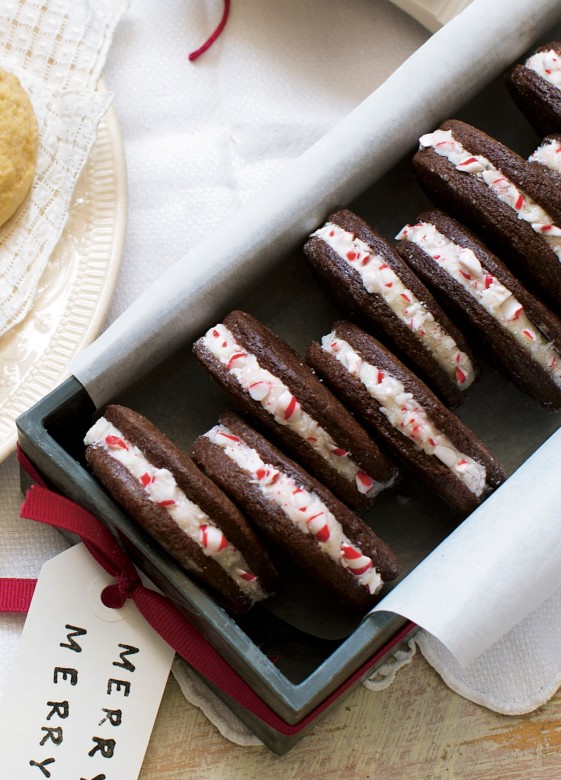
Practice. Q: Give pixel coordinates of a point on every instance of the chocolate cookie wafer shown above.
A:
(522, 334)
(499, 195)
(164, 491)
(414, 424)
(297, 513)
(535, 87)
(270, 382)
(364, 275)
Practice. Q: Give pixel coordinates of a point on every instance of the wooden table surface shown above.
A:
(417, 729)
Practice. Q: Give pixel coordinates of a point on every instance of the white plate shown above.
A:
(75, 289)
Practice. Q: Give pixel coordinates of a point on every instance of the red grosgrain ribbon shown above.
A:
(45, 506)
(16, 594)
(28, 467)
(216, 34)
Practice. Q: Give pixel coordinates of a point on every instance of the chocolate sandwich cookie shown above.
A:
(522, 334)
(270, 382)
(297, 513)
(364, 275)
(163, 490)
(535, 87)
(548, 157)
(415, 425)
(508, 201)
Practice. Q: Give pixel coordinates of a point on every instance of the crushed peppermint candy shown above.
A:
(406, 415)
(464, 267)
(444, 144)
(161, 488)
(302, 507)
(380, 279)
(546, 64)
(276, 398)
(548, 154)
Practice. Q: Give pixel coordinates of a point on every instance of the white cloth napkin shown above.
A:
(68, 41)
(200, 139)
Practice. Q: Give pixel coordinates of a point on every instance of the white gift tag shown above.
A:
(87, 681)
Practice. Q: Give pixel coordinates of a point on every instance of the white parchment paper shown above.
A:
(504, 560)
(497, 567)
(442, 75)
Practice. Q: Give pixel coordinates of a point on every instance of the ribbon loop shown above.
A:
(116, 594)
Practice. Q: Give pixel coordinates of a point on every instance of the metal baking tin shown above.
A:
(291, 660)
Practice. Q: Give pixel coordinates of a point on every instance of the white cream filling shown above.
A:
(162, 489)
(275, 397)
(302, 507)
(546, 64)
(405, 414)
(444, 144)
(464, 267)
(380, 279)
(548, 154)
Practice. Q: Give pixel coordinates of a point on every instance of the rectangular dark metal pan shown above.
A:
(294, 663)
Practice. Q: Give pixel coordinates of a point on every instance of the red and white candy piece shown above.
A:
(237, 360)
(386, 275)
(288, 405)
(364, 483)
(318, 527)
(470, 264)
(511, 309)
(146, 479)
(267, 476)
(230, 437)
(248, 576)
(259, 390)
(471, 165)
(300, 499)
(446, 455)
(355, 560)
(212, 538)
(548, 229)
(338, 451)
(352, 362)
(502, 186)
(460, 375)
(115, 442)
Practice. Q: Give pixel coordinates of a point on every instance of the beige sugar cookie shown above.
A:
(18, 144)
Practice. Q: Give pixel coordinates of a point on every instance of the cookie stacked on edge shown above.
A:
(377, 390)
